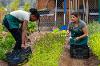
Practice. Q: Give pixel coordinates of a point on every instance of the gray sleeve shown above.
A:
(82, 24)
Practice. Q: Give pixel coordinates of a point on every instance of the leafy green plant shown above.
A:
(14, 5)
(94, 35)
(93, 27)
(2, 8)
(31, 27)
(5, 45)
(26, 6)
(48, 49)
(95, 44)
(6, 42)
(56, 30)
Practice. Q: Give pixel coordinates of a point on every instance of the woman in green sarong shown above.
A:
(78, 30)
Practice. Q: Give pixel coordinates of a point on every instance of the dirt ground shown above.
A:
(65, 57)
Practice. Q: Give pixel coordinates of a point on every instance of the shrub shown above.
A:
(94, 44)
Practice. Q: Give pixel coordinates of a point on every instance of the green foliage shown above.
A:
(56, 30)
(1, 5)
(47, 50)
(94, 38)
(1, 27)
(14, 5)
(2, 9)
(31, 27)
(6, 42)
(26, 6)
(95, 43)
(93, 27)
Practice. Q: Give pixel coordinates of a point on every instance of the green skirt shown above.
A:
(82, 41)
(12, 21)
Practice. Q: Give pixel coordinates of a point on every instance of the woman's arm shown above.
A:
(85, 31)
(24, 30)
(68, 33)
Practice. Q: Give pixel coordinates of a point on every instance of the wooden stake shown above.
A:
(84, 9)
(69, 10)
(87, 10)
(71, 7)
(76, 5)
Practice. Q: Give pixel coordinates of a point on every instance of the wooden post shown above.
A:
(56, 14)
(69, 10)
(71, 7)
(84, 10)
(37, 4)
(87, 11)
(76, 5)
(99, 10)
